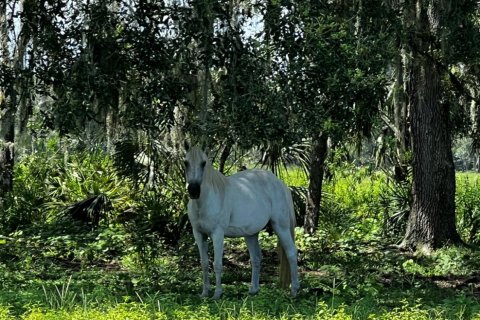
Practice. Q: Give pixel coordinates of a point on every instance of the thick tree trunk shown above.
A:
(314, 196)
(431, 223)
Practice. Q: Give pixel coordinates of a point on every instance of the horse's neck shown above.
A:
(215, 181)
(212, 194)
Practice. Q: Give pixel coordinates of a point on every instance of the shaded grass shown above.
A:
(349, 281)
(346, 272)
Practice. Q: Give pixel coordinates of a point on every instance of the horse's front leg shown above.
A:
(202, 244)
(217, 239)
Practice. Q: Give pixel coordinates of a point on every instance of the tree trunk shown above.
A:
(400, 116)
(6, 111)
(21, 95)
(431, 223)
(314, 196)
(6, 152)
(15, 104)
(203, 10)
(224, 156)
(475, 118)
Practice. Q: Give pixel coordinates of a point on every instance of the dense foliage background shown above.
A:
(97, 98)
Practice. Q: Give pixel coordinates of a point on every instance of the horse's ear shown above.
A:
(204, 145)
(186, 145)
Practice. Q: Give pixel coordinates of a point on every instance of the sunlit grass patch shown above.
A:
(246, 309)
(293, 176)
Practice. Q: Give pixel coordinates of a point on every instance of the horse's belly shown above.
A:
(235, 232)
(245, 223)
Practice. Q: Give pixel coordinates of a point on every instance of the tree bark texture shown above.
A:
(475, 118)
(203, 10)
(224, 156)
(7, 114)
(400, 113)
(431, 223)
(316, 172)
(6, 167)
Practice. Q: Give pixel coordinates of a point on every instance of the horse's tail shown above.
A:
(285, 273)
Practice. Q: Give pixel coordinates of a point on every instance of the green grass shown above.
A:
(467, 202)
(348, 281)
(294, 176)
(59, 270)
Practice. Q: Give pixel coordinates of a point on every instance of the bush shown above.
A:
(467, 200)
(62, 194)
(50, 184)
(352, 208)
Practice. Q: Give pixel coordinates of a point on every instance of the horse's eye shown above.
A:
(203, 163)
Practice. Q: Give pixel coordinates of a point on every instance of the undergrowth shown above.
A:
(140, 262)
(348, 281)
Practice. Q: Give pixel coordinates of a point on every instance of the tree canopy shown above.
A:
(278, 77)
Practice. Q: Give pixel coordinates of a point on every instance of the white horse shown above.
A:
(240, 205)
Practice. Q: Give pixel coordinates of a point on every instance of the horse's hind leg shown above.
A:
(255, 260)
(288, 244)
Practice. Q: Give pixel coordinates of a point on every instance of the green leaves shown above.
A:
(467, 201)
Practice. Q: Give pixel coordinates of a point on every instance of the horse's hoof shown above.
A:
(253, 291)
(217, 295)
(294, 289)
(293, 293)
(204, 294)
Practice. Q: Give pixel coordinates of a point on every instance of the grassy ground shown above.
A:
(357, 281)
(348, 269)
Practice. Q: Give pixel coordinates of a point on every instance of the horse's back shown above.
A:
(254, 176)
(256, 197)
(264, 184)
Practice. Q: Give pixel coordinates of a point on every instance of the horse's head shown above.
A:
(195, 162)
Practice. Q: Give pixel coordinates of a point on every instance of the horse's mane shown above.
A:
(216, 178)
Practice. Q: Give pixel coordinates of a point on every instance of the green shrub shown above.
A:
(351, 207)
(120, 311)
(444, 262)
(407, 312)
(61, 193)
(84, 175)
(293, 176)
(467, 200)
(5, 313)
(50, 183)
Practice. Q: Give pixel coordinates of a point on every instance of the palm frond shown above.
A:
(91, 210)
(148, 162)
(276, 157)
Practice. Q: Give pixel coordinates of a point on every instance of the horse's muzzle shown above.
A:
(194, 190)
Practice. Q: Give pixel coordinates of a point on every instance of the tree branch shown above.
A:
(458, 84)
